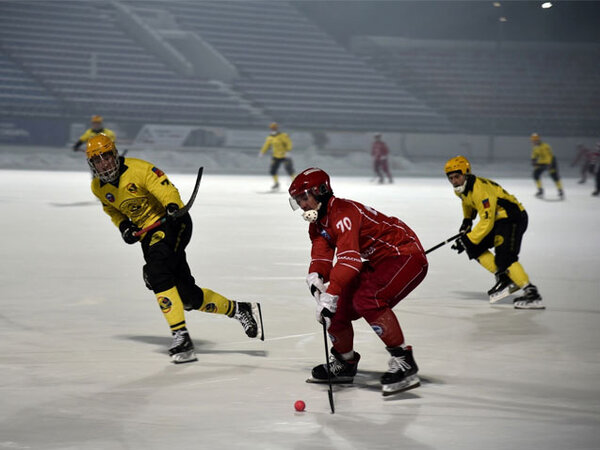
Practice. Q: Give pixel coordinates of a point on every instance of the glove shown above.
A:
(465, 227)
(458, 245)
(171, 209)
(127, 229)
(315, 283)
(326, 307)
(464, 244)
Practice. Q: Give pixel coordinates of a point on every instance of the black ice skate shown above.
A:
(561, 194)
(342, 371)
(275, 187)
(539, 193)
(250, 316)
(402, 375)
(503, 288)
(182, 348)
(530, 300)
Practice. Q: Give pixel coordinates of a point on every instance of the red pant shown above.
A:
(372, 295)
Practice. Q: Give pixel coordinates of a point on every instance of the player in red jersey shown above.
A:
(378, 261)
(380, 153)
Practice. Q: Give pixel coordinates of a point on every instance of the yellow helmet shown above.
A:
(458, 164)
(96, 119)
(99, 144)
(274, 126)
(103, 158)
(535, 137)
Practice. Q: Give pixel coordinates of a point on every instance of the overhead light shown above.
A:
(547, 5)
(497, 4)
(502, 19)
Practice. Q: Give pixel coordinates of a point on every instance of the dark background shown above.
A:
(566, 21)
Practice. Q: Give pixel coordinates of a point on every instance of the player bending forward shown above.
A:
(502, 223)
(379, 262)
(135, 194)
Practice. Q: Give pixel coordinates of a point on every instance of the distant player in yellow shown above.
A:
(543, 159)
(135, 194)
(97, 127)
(502, 223)
(281, 144)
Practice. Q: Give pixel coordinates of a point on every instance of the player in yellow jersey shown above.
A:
(135, 194)
(281, 144)
(543, 159)
(502, 223)
(97, 127)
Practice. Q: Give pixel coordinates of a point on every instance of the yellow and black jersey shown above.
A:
(491, 202)
(281, 144)
(140, 194)
(90, 133)
(542, 154)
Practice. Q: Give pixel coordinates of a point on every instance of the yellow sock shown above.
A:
(538, 183)
(172, 308)
(276, 179)
(215, 303)
(518, 274)
(487, 260)
(559, 185)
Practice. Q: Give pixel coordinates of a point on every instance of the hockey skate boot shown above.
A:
(342, 371)
(530, 300)
(250, 316)
(275, 187)
(539, 193)
(561, 194)
(402, 375)
(182, 347)
(503, 288)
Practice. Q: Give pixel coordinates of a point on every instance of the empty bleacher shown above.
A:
(90, 65)
(508, 88)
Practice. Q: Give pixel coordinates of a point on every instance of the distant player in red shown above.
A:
(587, 157)
(379, 261)
(380, 152)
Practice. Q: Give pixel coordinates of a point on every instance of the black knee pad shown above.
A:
(157, 278)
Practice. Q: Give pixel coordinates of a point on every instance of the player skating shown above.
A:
(380, 154)
(136, 194)
(379, 262)
(543, 159)
(281, 145)
(97, 127)
(502, 222)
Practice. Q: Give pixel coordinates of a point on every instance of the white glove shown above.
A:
(326, 307)
(315, 283)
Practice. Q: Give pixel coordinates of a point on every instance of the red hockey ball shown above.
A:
(299, 405)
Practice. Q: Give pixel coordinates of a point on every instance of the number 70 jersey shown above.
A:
(355, 232)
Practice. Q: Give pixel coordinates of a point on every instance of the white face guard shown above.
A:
(460, 189)
(312, 214)
(105, 166)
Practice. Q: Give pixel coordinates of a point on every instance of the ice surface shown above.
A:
(83, 344)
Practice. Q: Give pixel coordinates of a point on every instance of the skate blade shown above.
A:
(343, 380)
(257, 313)
(184, 357)
(529, 305)
(402, 386)
(500, 295)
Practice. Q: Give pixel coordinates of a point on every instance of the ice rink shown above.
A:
(83, 342)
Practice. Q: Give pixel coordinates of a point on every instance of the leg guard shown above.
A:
(215, 303)
(172, 308)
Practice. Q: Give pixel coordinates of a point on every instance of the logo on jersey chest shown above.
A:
(110, 197)
(131, 187)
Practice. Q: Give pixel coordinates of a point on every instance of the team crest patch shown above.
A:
(486, 203)
(165, 304)
(378, 329)
(131, 187)
(210, 308)
(110, 197)
(159, 173)
(157, 237)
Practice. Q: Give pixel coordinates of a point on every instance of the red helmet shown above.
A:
(313, 180)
